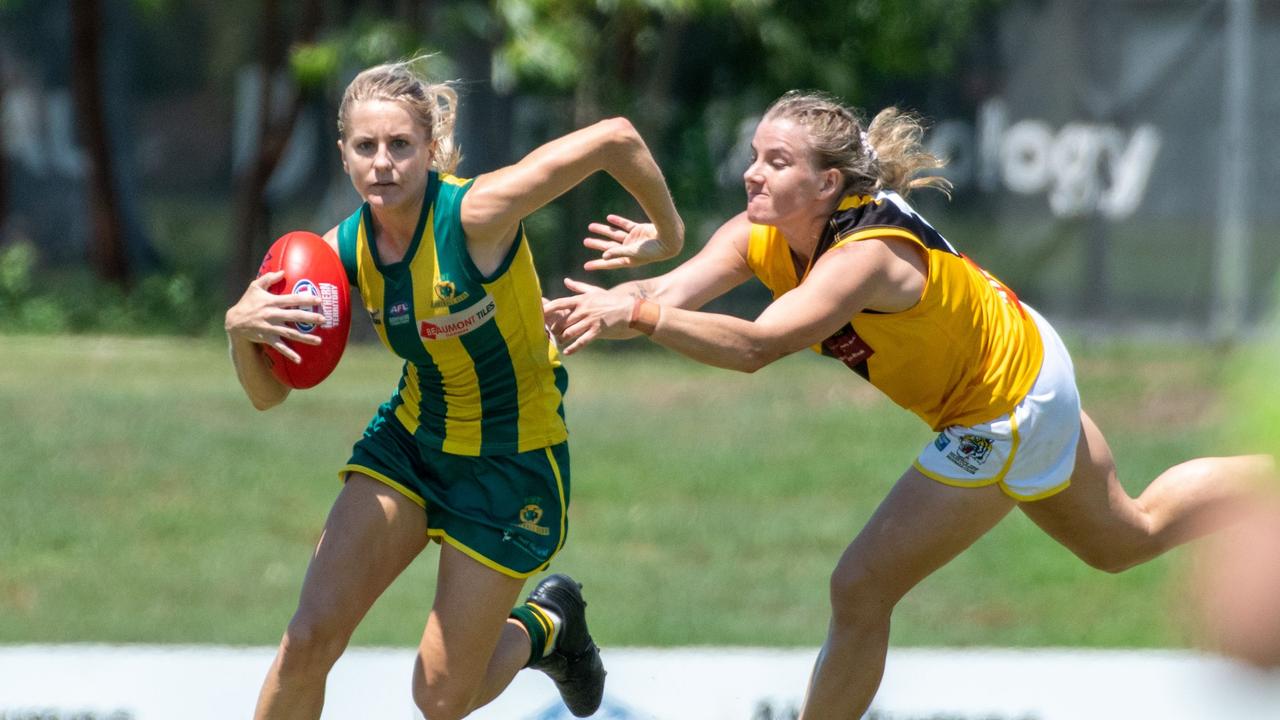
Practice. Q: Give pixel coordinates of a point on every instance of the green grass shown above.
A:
(144, 500)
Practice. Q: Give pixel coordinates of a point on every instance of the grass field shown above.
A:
(144, 500)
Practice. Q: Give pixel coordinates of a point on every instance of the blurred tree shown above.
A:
(5, 21)
(107, 252)
(4, 168)
(274, 126)
(688, 72)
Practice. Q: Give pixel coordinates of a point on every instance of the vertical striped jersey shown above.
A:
(481, 375)
(966, 353)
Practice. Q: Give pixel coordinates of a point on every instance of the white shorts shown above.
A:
(1029, 452)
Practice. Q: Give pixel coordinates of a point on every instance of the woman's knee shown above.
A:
(1109, 560)
(311, 646)
(443, 700)
(859, 595)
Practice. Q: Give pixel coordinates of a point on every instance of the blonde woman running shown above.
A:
(471, 449)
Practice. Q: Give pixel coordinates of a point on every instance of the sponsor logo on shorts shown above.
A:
(942, 441)
(459, 323)
(530, 516)
(398, 314)
(971, 452)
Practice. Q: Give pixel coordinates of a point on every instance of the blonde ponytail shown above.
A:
(886, 155)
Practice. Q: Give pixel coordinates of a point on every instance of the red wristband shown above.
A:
(644, 316)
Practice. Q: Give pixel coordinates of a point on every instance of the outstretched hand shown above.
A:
(592, 312)
(263, 317)
(623, 243)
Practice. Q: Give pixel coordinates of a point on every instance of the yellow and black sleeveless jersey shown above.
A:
(481, 376)
(966, 353)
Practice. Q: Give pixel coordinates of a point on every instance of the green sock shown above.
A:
(542, 627)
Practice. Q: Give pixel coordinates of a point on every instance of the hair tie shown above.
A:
(866, 146)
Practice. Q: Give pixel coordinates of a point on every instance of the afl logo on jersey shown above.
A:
(306, 287)
(398, 314)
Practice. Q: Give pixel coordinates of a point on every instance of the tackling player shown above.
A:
(859, 275)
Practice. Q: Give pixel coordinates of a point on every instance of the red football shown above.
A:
(310, 266)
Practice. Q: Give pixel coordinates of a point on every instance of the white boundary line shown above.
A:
(100, 682)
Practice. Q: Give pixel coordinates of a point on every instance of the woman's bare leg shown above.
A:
(372, 534)
(1097, 520)
(918, 528)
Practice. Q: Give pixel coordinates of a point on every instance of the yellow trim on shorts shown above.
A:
(417, 499)
(1039, 496)
(564, 509)
(440, 535)
(1014, 441)
(953, 482)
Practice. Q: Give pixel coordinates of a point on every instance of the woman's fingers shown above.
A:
(296, 299)
(609, 231)
(298, 315)
(598, 244)
(283, 348)
(580, 287)
(583, 339)
(268, 279)
(611, 264)
(624, 223)
(301, 337)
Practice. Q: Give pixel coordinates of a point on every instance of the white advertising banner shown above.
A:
(206, 683)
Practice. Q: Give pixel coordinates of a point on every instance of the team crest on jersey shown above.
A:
(971, 452)
(398, 314)
(446, 294)
(531, 515)
(459, 323)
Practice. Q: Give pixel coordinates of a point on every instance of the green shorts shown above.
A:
(505, 511)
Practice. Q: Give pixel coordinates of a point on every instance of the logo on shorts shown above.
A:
(971, 452)
(530, 516)
(942, 441)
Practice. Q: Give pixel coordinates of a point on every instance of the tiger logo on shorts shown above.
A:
(975, 448)
(971, 452)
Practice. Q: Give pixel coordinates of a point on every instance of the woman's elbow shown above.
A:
(620, 129)
(620, 134)
(756, 358)
(262, 405)
(265, 401)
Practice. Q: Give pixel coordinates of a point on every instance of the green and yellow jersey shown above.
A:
(966, 353)
(481, 375)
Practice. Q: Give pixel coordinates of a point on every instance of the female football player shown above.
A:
(470, 451)
(857, 274)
